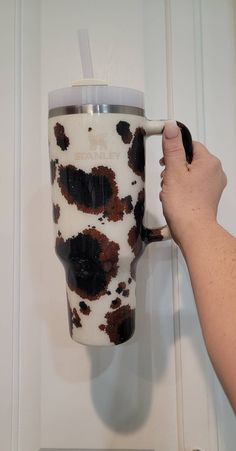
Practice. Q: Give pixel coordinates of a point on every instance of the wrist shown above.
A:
(196, 233)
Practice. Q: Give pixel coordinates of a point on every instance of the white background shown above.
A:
(158, 391)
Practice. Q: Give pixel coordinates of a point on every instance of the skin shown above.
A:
(190, 196)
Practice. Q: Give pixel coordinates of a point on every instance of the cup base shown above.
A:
(116, 326)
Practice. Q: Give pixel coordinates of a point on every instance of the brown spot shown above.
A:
(134, 182)
(76, 319)
(62, 140)
(90, 260)
(53, 169)
(84, 308)
(121, 287)
(127, 202)
(73, 318)
(59, 233)
(120, 324)
(109, 293)
(89, 129)
(56, 213)
(129, 280)
(93, 192)
(136, 153)
(123, 129)
(115, 303)
(132, 238)
(135, 240)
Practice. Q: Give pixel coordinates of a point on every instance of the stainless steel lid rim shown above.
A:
(95, 109)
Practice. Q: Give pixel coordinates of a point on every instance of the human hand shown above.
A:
(190, 192)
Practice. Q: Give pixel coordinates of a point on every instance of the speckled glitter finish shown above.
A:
(97, 174)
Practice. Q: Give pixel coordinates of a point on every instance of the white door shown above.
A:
(158, 391)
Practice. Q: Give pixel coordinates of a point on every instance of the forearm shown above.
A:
(210, 254)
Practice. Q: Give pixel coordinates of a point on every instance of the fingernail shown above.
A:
(171, 130)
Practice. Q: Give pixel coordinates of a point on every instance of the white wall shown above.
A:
(8, 283)
(158, 391)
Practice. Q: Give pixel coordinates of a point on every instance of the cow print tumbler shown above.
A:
(97, 160)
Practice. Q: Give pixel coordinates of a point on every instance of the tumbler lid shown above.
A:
(95, 94)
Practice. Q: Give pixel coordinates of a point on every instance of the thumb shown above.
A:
(173, 149)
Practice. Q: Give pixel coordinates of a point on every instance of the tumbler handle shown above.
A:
(156, 128)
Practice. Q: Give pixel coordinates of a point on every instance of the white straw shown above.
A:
(85, 53)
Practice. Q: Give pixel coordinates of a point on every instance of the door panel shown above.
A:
(158, 391)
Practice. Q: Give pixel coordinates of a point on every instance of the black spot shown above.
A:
(84, 270)
(120, 324)
(76, 319)
(139, 212)
(136, 233)
(90, 260)
(56, 213)
(125, 329)
(84, 308)
(84, 189)
(62, 140)
(53, 169)
(136, 153)
(123, 129)
(115, 303)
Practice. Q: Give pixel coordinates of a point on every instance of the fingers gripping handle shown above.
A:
(156, 128)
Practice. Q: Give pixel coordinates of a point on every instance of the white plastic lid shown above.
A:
(95, 95)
